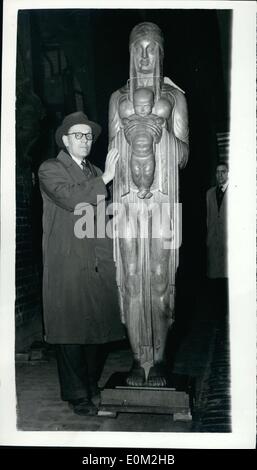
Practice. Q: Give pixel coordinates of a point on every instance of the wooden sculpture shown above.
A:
(148, 125)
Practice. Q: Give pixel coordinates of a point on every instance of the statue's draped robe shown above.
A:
(171, 153)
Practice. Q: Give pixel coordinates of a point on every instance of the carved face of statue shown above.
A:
(143, 102)
(78, 140)
(221, 174)
(143, 109)
(145, 55)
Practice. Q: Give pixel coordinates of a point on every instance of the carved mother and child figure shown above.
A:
(148, 125)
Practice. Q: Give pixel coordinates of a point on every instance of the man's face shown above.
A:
(145, 55)
(221, 174)
(78, 147)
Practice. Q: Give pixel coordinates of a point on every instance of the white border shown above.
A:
(241, 254)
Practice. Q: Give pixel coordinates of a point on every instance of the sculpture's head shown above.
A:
(143, 101)
(146, 43)
(146, 55)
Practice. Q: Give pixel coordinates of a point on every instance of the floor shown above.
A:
(201, 353)
(39, 406)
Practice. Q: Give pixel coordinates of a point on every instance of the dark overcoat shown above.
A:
(217, 266)
(80, 298)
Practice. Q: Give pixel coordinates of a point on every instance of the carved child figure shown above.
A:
(142, 131)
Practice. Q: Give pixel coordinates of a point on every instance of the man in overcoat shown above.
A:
(217, 243)
(80, 299)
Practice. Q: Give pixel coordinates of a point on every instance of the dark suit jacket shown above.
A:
(80, 296)
(216, 235)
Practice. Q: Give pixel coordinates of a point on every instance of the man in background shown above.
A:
(217, 243)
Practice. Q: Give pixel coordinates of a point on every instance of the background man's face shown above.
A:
(221, 174)
(78, 148)
(145, 54)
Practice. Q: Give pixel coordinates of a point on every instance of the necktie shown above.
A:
(219, 196)
(86, 168)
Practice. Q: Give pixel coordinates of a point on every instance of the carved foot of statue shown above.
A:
(142, 193)
(157, 376)
(136, 376)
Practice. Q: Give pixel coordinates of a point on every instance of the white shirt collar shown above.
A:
(224, 186)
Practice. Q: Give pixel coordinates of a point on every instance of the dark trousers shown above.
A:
(218, 299)
(79, 369)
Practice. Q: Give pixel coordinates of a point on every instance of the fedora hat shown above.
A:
(71, 120)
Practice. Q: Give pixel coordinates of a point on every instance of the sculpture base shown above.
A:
(117, 397)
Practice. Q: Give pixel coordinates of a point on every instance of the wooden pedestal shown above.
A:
(118, 397)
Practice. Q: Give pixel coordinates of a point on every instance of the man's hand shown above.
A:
(111, 160)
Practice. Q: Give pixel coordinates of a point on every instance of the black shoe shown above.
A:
(95, 394)
(95, 391)
(84, 407)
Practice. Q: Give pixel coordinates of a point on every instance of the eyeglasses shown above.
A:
(79, 135)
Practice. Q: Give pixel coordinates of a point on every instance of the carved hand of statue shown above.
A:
(155, 130)
(129, 128)
(134, 125)
(111, 160)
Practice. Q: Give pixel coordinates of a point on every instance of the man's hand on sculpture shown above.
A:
(111, 160)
